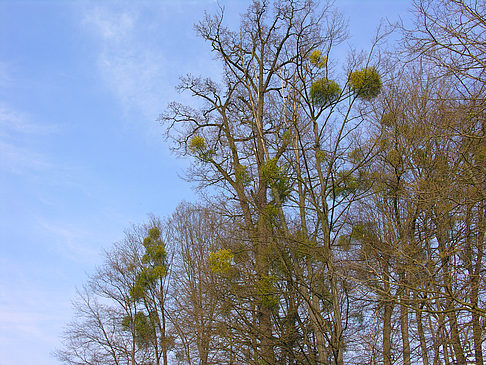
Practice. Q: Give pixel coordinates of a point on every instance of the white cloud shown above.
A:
(110, 26)
(12, 120)
(5, 74)
(16, 130)
(19, 160)
(132, 68)
(27, 322)
(26, 306)
(70, 242)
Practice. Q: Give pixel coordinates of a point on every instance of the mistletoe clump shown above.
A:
(154, 263)
(267, 292)
(198, 147)
(275, 176)
(366, 83)
(220, 261)
(317, 59)
(324, 92)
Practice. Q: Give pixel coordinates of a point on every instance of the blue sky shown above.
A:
(81, 154)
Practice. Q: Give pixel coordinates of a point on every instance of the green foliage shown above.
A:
(404, 129)
(358, 317)
(366, 83)
(344, 241)
(394, 158)
(304, 247)
(155, 253)
(154, 233)
(287, 136)
(220, 262)
(356, 156)
(323, 92)
(154, 264)
(283, 188)
(242, 175)
(275, 177)
(270, 212)
(143, 327)
(197, 146)
(388, 119)
(420, 157)
(127, 323)
(145, 279)
(317, 59)
(321, 289)
(346, 183)
(384, 143)
(267, 291)
(363, 233)
(321, 156)
(359, 232)
(270, 170)
(479, 156)
(137, 292)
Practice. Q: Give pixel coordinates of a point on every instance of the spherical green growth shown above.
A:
(242, 175)
(198, 147)
(270, 169)
(388, 119)
(197, 144)
(220, 261)
(275, 176)
(356, 156)
(154, 233)
(142, 326)
(362, 232)
(394, 158)
(137, 292)
(344, 241)
(420, 156)
(321, 155)
(270, 212)
(324, 92)
(479, 154)
(366, 83)
(317, 59)
(154, 263)
(384, 143)
(346, 183)
(267, 292)
(287, 136)
(155, 253)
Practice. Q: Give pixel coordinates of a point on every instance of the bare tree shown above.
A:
(196, 232)
(119, 313)
(274, 135)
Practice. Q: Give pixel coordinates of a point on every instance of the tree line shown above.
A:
(345, 216)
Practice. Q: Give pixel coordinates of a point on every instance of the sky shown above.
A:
(82, 157)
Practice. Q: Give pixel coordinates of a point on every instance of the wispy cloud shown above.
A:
(20, 160)
(4, 75)
(134, 70)
(31, 316)
(70, 242)
(16, 131)
(111, 26)
(14, 121)
(27, 321)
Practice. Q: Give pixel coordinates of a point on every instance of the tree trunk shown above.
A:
(404, 299)
(420, 329)
(387, 316)
(449, 292)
